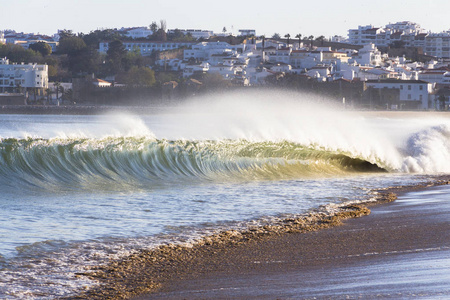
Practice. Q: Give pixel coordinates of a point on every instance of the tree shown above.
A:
(224, 30)
(320, 39)
(41, 47)
(163, 25)
(95, 37)
(288, 37)
(154, 27)
(49, 93)
(17, 54)
(65, 34)
(214, 81)
(441, 102)
(276, 36)
(139, 76)
(115, 56)
(57, 86)
(299, 36)
(71, 45)
(397, 44)
(311, 39)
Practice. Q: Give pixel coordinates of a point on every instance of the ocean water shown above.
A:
(78, 191)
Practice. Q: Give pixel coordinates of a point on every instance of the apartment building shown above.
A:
(16, 76)
(438, 44)
(146, 48)
(409, 33)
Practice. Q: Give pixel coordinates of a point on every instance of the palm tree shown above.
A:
(320, 39)
(49, 93)
(311, 38)
(57, 85)
(288, 36)
(299, 36)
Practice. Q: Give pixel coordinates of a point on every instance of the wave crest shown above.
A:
(146, 161)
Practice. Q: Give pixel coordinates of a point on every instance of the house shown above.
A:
(101, 83)
(191, 70)
(137, 32)
(413, 94)
(247, 32)
(433, 75)
(369, 55)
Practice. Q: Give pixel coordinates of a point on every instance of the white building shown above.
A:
(247, 32)
(438, 44)
(2, 38)
(338, 39)
(195, 33)
(369, 55)
(415, 93)
(146, 48)
(433, 75)
(137, 32)
(409, 33)
(15, 76)
(206, 51)
(363, 35)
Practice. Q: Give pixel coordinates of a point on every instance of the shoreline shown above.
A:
(143, 110)
(150, 273)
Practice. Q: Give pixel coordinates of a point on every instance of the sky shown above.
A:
(325, 17)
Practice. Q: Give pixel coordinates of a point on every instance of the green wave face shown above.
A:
(147, 162)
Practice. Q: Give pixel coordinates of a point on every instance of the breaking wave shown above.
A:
(146, 161)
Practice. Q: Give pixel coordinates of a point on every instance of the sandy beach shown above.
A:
(401, 250)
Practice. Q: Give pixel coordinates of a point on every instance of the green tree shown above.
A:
(178, 36)
(115, 57)
(57, 86)
(43, 48)
(65, 34)
(138, 76)
(320, 39)
(17, 54)
(71, 45)
(154, 27)
(288, 37)
(299, 36)
(95, 37)
(311, 39)
(276, 36)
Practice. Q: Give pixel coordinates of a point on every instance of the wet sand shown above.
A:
(401, 250)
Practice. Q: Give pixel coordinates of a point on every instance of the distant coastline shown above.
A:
(75, 110)
(150, 109)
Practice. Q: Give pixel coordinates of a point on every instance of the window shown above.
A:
(420, 97)
(421, 87)
(401, 87)
(409, 96)
(409, 87)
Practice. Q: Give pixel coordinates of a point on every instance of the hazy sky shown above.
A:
(325, 17)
